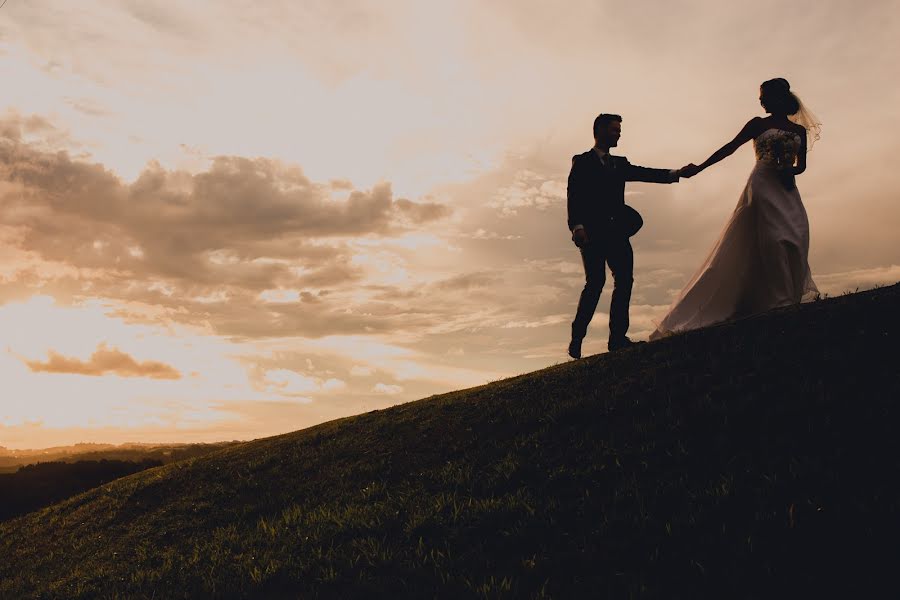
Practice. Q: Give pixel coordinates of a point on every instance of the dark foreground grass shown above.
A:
(753, 460)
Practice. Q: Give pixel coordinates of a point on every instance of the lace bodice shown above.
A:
(777, 147)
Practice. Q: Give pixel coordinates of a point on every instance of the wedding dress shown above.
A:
(759, 261)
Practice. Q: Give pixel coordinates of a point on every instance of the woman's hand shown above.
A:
(689, 170)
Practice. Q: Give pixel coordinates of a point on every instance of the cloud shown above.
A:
(88, 107)
(237, 203)
(423, 212)
(215, 246)
(481, 234)
(387, 389)
(468, 281)
(543, 322)
(858, 279)
(556, 265)
(30, 125)
(529, 190)
(104, 361)
(38, 132)
(293, 384)
(171, 20)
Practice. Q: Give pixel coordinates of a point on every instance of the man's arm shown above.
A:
(574, 193)
(636, 173)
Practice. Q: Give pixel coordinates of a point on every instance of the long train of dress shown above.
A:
(760, 260)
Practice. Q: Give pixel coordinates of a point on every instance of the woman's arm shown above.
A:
(801, 155)
(746, 134)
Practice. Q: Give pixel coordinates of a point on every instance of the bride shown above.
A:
(759, 261)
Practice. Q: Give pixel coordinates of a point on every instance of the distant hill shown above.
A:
(12, 460)
(756, 459)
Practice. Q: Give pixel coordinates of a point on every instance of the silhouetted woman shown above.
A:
(759, 261)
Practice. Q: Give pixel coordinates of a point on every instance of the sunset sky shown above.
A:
(231, 219)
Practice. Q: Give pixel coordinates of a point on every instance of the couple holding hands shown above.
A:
(759, 261)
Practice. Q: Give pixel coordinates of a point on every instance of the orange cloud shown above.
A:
(104, 361)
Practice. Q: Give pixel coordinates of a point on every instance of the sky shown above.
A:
(225, 220)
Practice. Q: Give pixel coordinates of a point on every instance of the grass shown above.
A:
(753, 459)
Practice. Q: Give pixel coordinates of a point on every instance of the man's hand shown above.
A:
(579, 236)
(688, 171)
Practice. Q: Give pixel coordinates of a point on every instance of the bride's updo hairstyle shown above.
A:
(777, 97)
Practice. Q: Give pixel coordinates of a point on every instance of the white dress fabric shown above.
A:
(760, 260)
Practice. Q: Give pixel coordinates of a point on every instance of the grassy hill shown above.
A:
(756, 459)
(35, 486)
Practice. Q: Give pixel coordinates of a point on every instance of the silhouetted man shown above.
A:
(601, 225)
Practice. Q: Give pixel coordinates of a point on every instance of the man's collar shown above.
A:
(600, 151)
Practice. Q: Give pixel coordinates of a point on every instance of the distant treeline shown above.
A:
(10, 462)
(35, 486)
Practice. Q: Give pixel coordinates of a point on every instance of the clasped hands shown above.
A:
(579, 236)
(688, 171)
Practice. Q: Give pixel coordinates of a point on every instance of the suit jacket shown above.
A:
(596, 192)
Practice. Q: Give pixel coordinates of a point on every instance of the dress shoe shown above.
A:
(575, 348)
(621, 343)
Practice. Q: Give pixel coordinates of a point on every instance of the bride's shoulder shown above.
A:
(756, 125)
(753, 128)
(798, 129)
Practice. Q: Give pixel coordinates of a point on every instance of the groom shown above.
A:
(601, 224)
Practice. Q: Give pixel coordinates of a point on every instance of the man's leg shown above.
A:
(620, 257)
(593, 260)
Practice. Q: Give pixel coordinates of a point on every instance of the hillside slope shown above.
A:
(753, 459)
